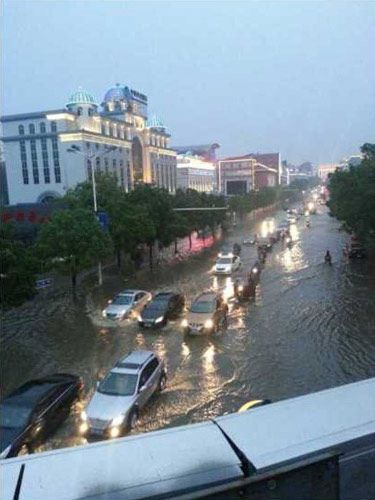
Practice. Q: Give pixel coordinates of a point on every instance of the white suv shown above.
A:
(114, 408)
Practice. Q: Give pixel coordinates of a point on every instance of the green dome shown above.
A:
(155, 122)
(81, 97)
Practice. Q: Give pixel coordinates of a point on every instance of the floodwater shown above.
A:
(312, 326)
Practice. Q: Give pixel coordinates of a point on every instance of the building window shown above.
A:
(89, 169)
(103, 129)
(56, 162)
(97, 163)
(42, 128)
(79, 111)
(53, 127)
(90, 112)
(32, 128)
(106, 165)
(34, 161)
(25, 172)
(46, 172)
(122, 176)
(87, 145)
(114, 163)
(21, 129)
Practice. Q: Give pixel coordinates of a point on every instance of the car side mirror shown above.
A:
(142, 388)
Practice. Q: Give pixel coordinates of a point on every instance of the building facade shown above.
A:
(48, 152)
(242, 174)
(195, 173)
(324, 169)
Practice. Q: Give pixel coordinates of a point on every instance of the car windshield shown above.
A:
(118, 384)
(13, 416)
(225, 261)
(203, 307)
(122, 300)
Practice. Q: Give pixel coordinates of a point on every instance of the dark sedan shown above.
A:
(35, 410)
(163, 307)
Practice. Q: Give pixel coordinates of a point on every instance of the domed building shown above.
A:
(49, 152)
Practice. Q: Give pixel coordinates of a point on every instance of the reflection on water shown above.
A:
(208, 358)
(309, 327)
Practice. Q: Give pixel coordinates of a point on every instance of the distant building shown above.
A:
(242, 174)
(205, 151)
(117, 139)
(195, 173)
(351, 161)
(324, 169)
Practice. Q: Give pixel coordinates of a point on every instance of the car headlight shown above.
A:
(240, 288)
(5, 452)
(159, 319)
(83, 416)
(83, 428)
(184, 322)
(255, 270)
(208, 323)
(104, 313)
(117, 421)
(114, 432)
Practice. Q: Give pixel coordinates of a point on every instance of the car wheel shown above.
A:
(132, 420)
(162, 382)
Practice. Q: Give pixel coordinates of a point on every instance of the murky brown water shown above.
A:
(312, 326)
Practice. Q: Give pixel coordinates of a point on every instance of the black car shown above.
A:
(164, 306)
(35, 410)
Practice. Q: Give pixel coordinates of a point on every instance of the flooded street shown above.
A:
(311, 327)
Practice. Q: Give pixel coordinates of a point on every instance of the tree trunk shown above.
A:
(150, 247)
(118, 257)
(190, 242)
(74, 283)
(175, 246)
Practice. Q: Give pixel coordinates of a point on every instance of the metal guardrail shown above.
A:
(315, 447)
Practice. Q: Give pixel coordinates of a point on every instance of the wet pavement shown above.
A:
(311, 326)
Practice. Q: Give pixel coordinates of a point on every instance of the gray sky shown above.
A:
(295, 77)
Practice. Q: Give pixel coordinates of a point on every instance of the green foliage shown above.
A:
(18, 268)
(352, 196)
(72, 241)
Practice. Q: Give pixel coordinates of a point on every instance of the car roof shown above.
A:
(206, 296)
(164, 296)
(134, 360)
(129, 292)
(30, 393)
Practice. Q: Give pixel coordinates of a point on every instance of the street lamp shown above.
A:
(77, 150)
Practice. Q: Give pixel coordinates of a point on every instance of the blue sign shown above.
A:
(43, 283)
(102, 218)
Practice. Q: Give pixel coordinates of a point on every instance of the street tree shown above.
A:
(352, 196)
(18, 268)
(72, 241)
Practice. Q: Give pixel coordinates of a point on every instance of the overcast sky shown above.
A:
(295, 77)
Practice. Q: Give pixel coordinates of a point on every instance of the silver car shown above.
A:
(114, 408)
(125, 303)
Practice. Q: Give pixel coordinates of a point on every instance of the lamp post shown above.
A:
(76, 149)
